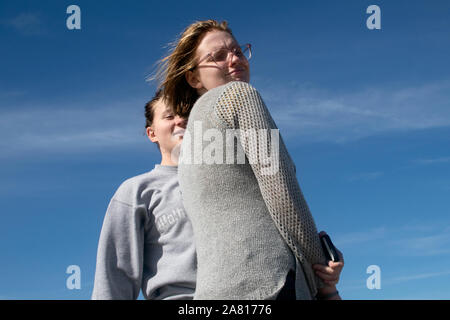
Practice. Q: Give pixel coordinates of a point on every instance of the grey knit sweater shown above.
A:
(251, 222)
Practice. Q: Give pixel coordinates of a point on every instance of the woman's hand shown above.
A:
(329, 274)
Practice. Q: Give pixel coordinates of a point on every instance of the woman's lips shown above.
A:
(236, 71)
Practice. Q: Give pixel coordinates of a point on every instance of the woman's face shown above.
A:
(209, 74)
(167, 129)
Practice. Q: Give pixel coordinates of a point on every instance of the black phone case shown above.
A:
(329, 249)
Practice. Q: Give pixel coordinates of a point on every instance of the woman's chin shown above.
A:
(242, 78)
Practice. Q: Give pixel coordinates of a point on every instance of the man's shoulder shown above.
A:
(133, 188)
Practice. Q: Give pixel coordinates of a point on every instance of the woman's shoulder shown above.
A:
(232, 88)
(229, 93)
(224, 102)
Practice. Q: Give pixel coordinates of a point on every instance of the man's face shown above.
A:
(167, 128)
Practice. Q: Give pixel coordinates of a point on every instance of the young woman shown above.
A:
(254, 234)
(146, 240)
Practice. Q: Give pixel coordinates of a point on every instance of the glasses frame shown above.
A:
(244, 47)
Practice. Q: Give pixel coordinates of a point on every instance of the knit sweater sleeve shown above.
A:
(241, 107)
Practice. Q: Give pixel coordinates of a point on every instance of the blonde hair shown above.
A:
(177, 91)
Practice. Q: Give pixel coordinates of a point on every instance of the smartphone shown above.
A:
(329, 248)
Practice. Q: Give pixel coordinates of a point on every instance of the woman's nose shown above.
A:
(234, 59)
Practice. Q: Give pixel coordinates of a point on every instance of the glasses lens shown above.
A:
(220, 55)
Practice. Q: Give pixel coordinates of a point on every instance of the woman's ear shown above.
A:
(192, 79)
(151, 134)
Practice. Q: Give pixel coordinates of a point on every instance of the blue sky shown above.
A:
(365, 115)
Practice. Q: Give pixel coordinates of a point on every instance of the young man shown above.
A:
(146, 240)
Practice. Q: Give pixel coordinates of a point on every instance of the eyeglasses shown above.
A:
(221, 56)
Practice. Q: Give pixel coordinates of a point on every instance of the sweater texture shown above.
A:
(251, 222)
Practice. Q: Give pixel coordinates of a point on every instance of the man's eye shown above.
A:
(169, 116)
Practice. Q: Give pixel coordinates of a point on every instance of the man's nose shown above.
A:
(180, 121)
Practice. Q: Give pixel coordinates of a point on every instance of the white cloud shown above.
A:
(308, 113)
(418, 239)
(71, 129)
(432, 161)
(11, 94)
(437, 243)
(26, 23)
(360, 284)
(420, 276)
(360, 237)
(311, 114)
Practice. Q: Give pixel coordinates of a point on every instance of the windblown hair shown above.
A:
(172, 69)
